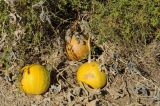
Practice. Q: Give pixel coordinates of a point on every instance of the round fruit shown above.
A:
(76, 49)
(90, 73)
(35, 79)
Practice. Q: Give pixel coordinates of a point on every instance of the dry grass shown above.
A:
(34, 32)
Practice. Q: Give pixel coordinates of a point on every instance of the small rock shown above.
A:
(92, 103)
(38, 97)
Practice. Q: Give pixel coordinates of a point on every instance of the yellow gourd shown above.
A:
(91, 74)
(35, 79)
(76, 50)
